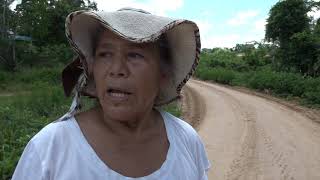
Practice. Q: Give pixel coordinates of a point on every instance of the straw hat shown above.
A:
(137, 26)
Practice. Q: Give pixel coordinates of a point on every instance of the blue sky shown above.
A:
(222, 23)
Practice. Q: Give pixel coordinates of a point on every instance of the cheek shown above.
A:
(149, 82)
(100, 83)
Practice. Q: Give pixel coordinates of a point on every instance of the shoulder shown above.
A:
(52, 130)
(187, 138)
(52, 136)
(46, 145)
(182, 130)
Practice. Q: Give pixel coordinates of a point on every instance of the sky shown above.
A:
(222, 23)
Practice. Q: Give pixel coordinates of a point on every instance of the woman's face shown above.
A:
(127, 76)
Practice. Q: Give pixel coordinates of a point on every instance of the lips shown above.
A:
(118, 93)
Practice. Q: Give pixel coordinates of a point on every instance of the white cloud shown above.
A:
(205, 28)
(14, 4)
(260, 25)
(255, 32)
(158, 7)
(242, 17)
(220, 41)
(229, 40)
(314, 13)
(210, 38)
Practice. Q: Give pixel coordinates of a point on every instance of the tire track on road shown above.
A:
(193, 106)
(264, 139)
(243, 166)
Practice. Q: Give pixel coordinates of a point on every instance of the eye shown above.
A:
(135, 55)
(105, 54)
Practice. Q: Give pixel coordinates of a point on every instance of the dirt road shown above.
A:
(252, 138)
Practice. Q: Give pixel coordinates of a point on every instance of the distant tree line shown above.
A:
(292, 38)
(40, 26)
(291, 43)
(286, 63)
(296, 35)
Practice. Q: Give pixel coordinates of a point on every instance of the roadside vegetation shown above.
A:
(215, 66)
(285, 64)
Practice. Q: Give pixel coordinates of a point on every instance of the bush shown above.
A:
(3, 77)
(55, 54)
(224, 59)
(278, 83)
(49, 56)
(24, 115)
(241, 78)
(285, 84)
(7, 60)
(47, 75)
(219, 75)
(312, 91)
(261, 80)
(27, 78)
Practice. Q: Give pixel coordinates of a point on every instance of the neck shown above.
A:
(135, 127)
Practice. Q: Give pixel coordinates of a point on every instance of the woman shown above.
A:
(132, 62)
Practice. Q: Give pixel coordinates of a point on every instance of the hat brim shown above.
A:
(183, 38)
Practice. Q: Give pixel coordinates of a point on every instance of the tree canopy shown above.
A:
(286, 18)
(43, 20)
(297, 35)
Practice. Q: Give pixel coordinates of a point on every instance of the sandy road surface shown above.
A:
(252, 138)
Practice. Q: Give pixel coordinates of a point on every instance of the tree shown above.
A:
(289, 27)
(5, 15)
(7, 43)
(303, 52)
(286, 18)
(316, 37)
(43, 20)
(254, 53)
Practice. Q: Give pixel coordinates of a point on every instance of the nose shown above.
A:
(119, 68)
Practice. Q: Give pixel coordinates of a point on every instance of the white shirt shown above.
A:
(60, 151)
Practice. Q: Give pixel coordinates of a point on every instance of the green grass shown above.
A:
(174, 108)
(29, 79)
(21, 117)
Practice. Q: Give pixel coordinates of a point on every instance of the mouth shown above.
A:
(118, 93)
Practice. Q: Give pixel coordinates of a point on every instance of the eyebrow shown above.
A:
(104, 45)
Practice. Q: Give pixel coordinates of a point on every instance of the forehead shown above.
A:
(109, 39)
